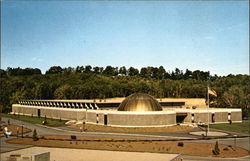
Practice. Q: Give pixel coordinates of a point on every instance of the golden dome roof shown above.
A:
(140, 102)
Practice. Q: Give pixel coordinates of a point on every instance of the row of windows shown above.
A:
(60, 104)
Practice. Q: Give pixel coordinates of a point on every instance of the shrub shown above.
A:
(226, 149)
(45, 122)
(34, 137)
(73, 137)
(180, 144)
(216, 150)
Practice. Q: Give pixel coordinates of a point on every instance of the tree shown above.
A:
(34, 136)
(43, 91)
(3, 73)
(178, 74)
(188, 74)
(101, 69)
(133, 71)
(123, 70)
(109, 70)
(68, 70)
(143, 87)
(88, 69)
(21, 95)
(78, 70)
(161, 73)
(63, 92)
(19, 71)
(200, 75)
(155, 73)
(21, 84)
(96, 70)
(144, 72)
(236, 96)
(216, 150)
(54, 70)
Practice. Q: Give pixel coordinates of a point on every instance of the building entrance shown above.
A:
(180, 117)
(38, 112)
(105, 119)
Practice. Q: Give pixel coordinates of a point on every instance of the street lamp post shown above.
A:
(22, 130)
(235, 136)
(85, 122)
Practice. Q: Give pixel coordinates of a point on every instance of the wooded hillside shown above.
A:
(97, 82)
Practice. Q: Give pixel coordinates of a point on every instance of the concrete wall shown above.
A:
(91, 116)
(202, 117)
(50, 112)
(131, 119)
(120, 118)
(18, 109)
(221, 117)
(236, 116)
(113, 117)
(189, 102)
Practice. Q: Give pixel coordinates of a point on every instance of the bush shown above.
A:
(216, 150)
(226, 149)
(73, 137)
(180, 144)
(34, 137)
(45, 122)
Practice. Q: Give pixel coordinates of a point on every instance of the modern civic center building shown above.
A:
(135, 110)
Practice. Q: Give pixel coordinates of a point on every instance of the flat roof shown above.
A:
(62, 154)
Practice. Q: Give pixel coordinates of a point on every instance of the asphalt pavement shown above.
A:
(243, 142)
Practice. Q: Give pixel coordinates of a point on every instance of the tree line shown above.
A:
(87, 82)
(144, 72)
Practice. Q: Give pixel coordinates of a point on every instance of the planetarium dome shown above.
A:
(140, 102)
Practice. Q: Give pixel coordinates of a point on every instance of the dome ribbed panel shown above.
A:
(140, 102)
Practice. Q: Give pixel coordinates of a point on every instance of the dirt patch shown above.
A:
(16, 129)
(103, 128)
(185, 148)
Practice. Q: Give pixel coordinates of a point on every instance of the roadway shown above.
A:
(44, 130)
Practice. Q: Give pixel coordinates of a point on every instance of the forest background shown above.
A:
(87, 82)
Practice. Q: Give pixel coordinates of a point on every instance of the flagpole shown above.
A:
(208, 109)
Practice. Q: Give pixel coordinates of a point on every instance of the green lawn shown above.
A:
(35, 120)
(234, 127)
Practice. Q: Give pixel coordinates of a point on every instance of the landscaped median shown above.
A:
(16, 130)
(147, 130)
(35, 120)
(138, 145)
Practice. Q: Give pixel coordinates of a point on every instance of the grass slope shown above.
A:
(35, 120)
(234, 127)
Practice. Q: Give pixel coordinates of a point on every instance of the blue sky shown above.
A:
(211, 36)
